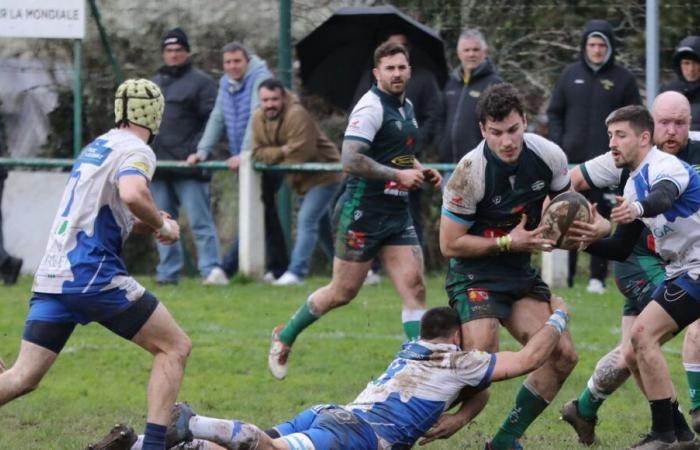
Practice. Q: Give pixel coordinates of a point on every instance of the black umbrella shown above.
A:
(334, 56)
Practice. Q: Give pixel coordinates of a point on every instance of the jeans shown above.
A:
(193, 195)
(313, 222)
(275, 245)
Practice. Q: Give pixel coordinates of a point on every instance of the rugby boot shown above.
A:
(687, 441)
(120, 437)
(695, 419)
(179, 427)
(279, 354)
(652, 442)
(584, 427)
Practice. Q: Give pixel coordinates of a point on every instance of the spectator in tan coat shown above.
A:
(285, 132)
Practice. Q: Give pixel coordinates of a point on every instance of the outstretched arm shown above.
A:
(538, 348)
(134, 192)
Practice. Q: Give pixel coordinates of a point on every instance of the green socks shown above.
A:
(692, 372)
(411, 322)
(298, 323)
(528, 405)
(588, 403)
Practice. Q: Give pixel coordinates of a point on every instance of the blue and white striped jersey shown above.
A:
(83, 253)
(422, 381)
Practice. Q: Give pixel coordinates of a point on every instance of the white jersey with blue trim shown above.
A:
(676, 231)
(422, 381)
(83, 253)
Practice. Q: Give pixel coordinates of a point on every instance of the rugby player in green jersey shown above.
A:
(372, 215)
(491, 209)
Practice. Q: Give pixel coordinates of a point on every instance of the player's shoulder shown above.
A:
(369, 100)
(540, 144)
(545, 149)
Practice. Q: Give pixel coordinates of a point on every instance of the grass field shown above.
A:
(100, 379)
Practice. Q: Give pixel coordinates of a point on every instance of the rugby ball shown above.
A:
(560, 214)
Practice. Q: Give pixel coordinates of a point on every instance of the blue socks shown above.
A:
(154, 437)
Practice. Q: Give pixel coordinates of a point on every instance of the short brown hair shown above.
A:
(638, 116)
(498, 101)
(388, 49)
(439, 322)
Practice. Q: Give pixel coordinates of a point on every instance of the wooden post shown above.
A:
(555, 268)
(251, 220)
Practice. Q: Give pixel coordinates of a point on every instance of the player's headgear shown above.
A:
(140, 102)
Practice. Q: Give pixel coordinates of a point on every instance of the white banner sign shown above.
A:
(63, 19)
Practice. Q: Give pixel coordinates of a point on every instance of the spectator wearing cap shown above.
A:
(236, 101)
(585, 93)
(686, 64)
(190, 95)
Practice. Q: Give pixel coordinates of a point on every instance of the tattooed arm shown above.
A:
(355, 162)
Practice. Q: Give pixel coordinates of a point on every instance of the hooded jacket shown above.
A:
(461, 131)
(584, 95)
(234, 107)
(688, 48)
(189, 96)
(295, 128)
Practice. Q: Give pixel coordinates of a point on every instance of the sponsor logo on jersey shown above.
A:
(395, 189)
(663, 231)
(357, 214)
(356, 239)
(475, 94)
(141, 166)
(538, 185)
(579, 81)
(354, 124)
(95, 153)
(496, 200)
(410, 141)
(456, 200)
(477, 295)
(404, 160)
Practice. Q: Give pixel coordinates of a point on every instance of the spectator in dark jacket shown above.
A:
(462, 90)
(686, 63)
(586, 92)
(189, 94)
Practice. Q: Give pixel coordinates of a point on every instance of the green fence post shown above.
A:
(284, 70)
(77, 97)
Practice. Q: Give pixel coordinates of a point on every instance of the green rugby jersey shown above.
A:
(490, 196)
(390, 128)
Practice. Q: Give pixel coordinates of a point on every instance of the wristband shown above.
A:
(504, 242)
(166, 229)
(558, 320)
(640, 209)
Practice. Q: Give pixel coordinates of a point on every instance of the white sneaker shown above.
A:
(288, 279)
(217, 277)
(278, 355)
(372, 279)
(595, 286)
(269, 277)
